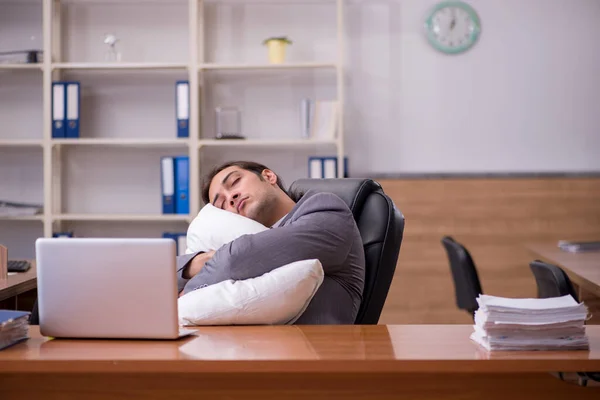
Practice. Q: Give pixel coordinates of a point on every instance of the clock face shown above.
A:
(452, 27)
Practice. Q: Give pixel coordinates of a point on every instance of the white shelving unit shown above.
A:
(69, 183)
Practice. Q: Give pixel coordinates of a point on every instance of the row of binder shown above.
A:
(66, 101)
(66, 104)
(175, 185)
(325, 167)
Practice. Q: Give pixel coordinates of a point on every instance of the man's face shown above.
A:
(243, 192)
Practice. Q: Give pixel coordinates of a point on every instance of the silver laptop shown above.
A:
(107, 288)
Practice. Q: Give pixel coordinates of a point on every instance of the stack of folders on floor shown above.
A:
(556, 323)
(14, 327)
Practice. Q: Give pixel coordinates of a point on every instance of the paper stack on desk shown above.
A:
(556, 323)
(14, 327)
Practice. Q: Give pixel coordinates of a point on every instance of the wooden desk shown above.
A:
(583, 268)
(292, 362)
(18, 283)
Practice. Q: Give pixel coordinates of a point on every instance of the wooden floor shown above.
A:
(494, 218)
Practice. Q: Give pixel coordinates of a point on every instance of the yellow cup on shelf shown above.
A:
(277, 49)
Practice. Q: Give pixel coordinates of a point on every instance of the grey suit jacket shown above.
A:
(320, 226)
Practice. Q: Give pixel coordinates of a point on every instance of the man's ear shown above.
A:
(269, 176)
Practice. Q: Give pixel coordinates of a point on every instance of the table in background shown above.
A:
(18, 291)
(292, 362)
(583, 269)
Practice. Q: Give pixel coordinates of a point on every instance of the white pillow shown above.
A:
(213, 227)
(277, 297)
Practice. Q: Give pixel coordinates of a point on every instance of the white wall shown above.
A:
(526, 98)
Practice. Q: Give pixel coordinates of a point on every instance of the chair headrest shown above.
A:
(354, 191)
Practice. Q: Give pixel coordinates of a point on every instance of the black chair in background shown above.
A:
(552, 281)
(464, 274)
(381, 227)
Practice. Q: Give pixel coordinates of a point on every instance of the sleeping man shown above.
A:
(316, 226)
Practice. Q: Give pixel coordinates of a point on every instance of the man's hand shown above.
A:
(196, 264)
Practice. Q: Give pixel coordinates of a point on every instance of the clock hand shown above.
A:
(453, 23)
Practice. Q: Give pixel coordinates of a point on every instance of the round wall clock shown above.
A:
(452, 27)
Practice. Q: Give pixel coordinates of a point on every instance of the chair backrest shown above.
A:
(464, 274)
(381, 227)
(551, 280)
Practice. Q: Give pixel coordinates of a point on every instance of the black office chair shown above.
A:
(381, 227)
(464, 274)
(552, 281)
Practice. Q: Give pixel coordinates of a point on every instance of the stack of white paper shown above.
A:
(556, 323)
(14, 327)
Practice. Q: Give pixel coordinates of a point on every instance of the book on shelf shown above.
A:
(506, 324)
(16, 209)
(182, 107)
(319, 119)
(577, 247)
(66, 105)
(175, 184)
(21, 57)
(325, 167)
(14, 327)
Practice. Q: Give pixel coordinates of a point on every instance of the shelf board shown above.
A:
(38, 217)
(120, 66)
(264, 142)
(123, 217)
(20, 143)
(309, 65)
(124, 142)
(22, 66)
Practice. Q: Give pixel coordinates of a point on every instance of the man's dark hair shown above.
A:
(251, 166)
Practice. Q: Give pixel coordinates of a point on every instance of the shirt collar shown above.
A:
(276, 224)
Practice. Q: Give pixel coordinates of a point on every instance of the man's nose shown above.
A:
(233, 199)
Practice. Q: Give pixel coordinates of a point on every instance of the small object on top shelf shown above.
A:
(22, 57)
(112, 54)
(277, 48)
(229, 123)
